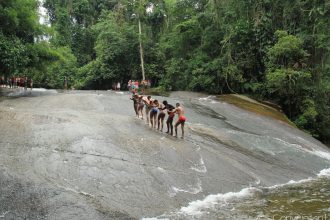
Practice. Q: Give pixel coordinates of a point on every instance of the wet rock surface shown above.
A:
(83, 155)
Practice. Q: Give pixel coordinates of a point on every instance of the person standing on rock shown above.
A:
(13, 82)
(153, 113)
(161, 116)
(170, 112)
(137, 85)
(135, 103)
(147, 101)
(182, 119)
(25, 83)
(140, 106)
(65, 83)
(31, 84)
(129, 85)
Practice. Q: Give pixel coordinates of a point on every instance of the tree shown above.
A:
(18, 27)
(275, 50)
(287, 76)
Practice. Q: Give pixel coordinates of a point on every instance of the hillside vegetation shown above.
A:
(272, 50)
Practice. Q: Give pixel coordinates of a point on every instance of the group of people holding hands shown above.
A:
(135, 85)
(156, 111)
(16, 82)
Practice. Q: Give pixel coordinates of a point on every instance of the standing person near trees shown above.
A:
(25, 83)
(182, 119)
(133, 86)
(129, 85)
(13, 82)
(65, 83)
(143, 86)
(137, 85)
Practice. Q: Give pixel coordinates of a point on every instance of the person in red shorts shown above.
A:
(182, 119)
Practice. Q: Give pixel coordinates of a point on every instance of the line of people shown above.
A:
(156, 111)
(16, 82)
(135, 85)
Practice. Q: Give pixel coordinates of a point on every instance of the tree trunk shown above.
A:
(141, 51)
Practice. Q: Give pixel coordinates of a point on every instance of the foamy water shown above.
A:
(200, 208)
(191, 189)
(200, 167)
(324, 155)
(324, 173)
(208, 98)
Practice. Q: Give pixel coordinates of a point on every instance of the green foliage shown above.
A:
(285, 82)
(275, 50)
(12, 55)
(63, 67)
(117, 55)
(308, 117)
(287, 51)
(19, 18)
(158, 91)
(18, 26)
(50, 65)
(86, 75)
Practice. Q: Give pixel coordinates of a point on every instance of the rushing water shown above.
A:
(305, 199)
(83, 155)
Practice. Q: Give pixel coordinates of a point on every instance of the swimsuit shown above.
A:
(162, 114)
(171, 114)
(182, 119)
(154, 110)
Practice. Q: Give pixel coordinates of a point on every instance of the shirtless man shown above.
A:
(147, 101)
(180, 111)
(135, 103)
(140, 106)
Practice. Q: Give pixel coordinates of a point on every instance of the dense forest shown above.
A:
(275, 50)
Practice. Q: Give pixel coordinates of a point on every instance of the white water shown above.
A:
(324, 173)
(211, 202)
(189, 189)
(200, 206)
(200, 167)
